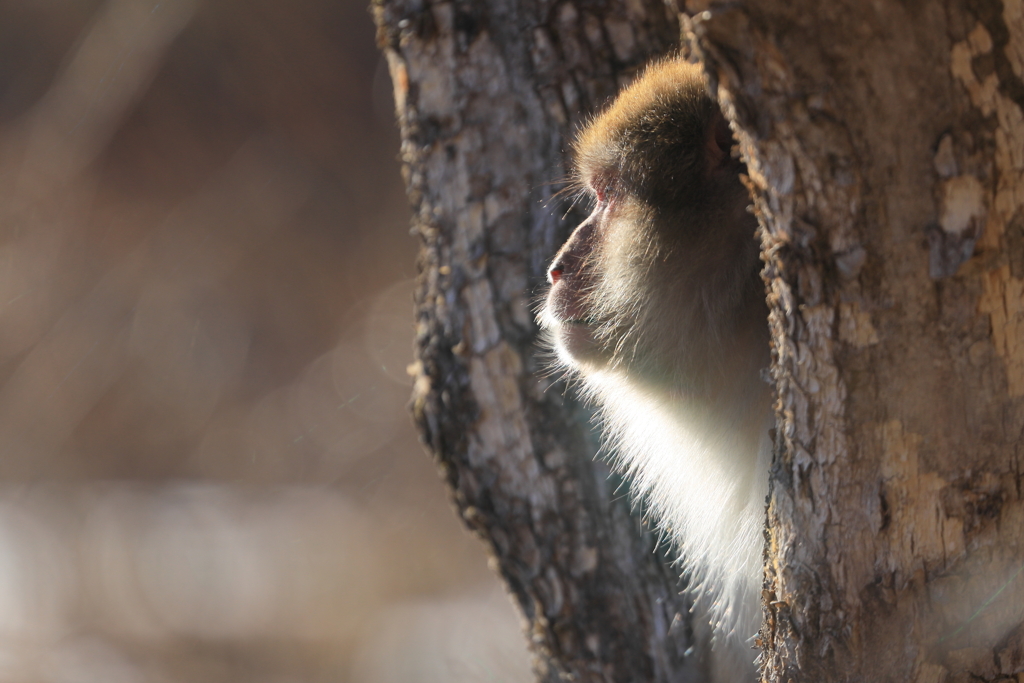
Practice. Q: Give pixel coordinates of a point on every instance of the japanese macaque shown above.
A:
(657, 309)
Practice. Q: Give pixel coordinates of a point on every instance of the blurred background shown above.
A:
(207, 469)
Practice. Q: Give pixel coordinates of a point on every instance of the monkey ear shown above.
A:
(719, 141)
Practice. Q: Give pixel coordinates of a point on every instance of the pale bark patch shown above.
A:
(855, 326)
(1003, 300)
(927, 537)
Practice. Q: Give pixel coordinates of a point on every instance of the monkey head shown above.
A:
(660, 284)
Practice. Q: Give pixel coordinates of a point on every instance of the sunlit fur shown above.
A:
(657, 310)
(683, 462)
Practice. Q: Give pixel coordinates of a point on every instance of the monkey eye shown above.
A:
(601, 186)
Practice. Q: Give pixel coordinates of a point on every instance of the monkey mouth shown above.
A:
(573, 331)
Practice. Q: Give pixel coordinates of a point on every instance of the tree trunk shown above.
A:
(886, 153)
(885, 148)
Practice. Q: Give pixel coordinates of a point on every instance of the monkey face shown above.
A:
(660, 283)
(574, 277)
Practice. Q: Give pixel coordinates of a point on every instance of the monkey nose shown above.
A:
(563, 265)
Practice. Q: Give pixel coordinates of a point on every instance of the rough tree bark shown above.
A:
(885, 143)
(886, 147)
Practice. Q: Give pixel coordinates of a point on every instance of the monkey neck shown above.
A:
(700, 467)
